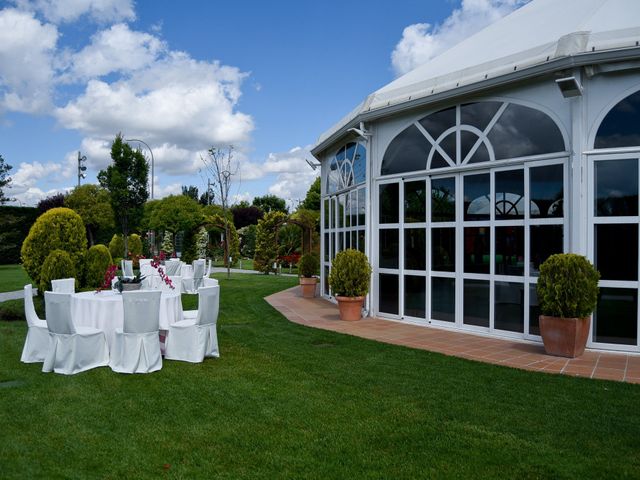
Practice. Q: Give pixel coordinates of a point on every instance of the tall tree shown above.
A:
(5, 180)
(271, 203)
(53, 201)
(243, 216)
(92, 204)
(221, 167)
(191, 191)
(312, 200)
(126, 180)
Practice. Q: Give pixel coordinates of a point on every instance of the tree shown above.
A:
(5, 180)
(53, 201)
(176, 213)
(266, 246)
(220, 165)
(126, 180)
(92, 204)
(312, 200)
(271, 203)
(191, 191)
(243, 216)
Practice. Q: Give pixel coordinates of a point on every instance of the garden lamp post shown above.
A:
(152, 161)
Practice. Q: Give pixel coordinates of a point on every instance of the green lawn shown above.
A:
(12, 277)
(286, 401)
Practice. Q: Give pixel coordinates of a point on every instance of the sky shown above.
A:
(265, 77)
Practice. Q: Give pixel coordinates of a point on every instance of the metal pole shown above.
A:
(152, 160)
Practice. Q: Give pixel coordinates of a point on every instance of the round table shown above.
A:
(105, 310)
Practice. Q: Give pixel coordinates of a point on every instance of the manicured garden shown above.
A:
(286, 401)
(12, 277)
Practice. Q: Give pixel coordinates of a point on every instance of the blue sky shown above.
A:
(267, 77)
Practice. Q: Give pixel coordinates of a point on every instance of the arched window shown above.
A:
(472, 133)
(621, 126)
(348, 167)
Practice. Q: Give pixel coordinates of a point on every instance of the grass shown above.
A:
(13, 277)
(286, 401)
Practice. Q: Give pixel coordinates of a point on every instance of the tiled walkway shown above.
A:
(320, 313)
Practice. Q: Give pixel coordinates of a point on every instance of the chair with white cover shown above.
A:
(210, 282)
(208, 269)
(37, 341)
(64, 285)
(198, 274)
(193, 339)
(172, 267)
(176, 281)
(71, 349)
(136, 347)
(127, 268)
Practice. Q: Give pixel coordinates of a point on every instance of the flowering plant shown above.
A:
(157, 264)
(109, 275)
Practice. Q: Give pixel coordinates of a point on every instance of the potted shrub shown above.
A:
(307, 268)
(567, 293)
(349, 282)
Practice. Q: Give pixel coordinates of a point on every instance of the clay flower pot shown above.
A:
(564, 337)
(308, 286)
(350, 308)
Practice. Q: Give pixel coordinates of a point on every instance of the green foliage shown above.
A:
(350, 272)
(58, 228)
(174, 214)
(135, 245)
(309, 265)
(266, 245)
(126, 180)
(97, 261)
(91, 202)
(216, 223)
(312, 200)
(202, 242)
(190, 250)
(58, 264)
(248, 240)
(289, 239)
(116, 246)
(167, 243)
(567, 286)
(16, 222)
(5, 180)
(271, 203)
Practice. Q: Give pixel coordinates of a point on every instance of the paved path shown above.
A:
(320, 313)
(238, 270)
(17, 295)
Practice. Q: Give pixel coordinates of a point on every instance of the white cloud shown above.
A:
(117, 49)
(59, 11)
(165, 191)
(241, 197)
(26, 58)
(422, 41)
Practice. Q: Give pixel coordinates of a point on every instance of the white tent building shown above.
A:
(459, 178)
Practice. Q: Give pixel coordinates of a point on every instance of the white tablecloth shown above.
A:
(104, 311)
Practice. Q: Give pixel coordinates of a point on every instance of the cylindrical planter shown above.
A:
(564, 337)
(350, 308)
(129, 287)
(308, 286)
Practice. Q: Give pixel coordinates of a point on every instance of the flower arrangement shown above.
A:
(109, 275)
(157, 263)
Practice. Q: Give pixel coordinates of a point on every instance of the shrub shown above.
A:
(116, 246)
(58, 228)
(266, 250)
(97, 262)
(308, 265)
(567, 286)
(58, 264)
(16, 222)
(350, 272)
(134, 245)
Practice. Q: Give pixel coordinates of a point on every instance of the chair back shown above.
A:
(209, 282)
(208, 305)
(64, 285)
(176, 281)
(198, 268)
(29, 308)
(127, 268)
(186, 270)
(58, 313)
(172, 267)
(141, 311)
(208, 270)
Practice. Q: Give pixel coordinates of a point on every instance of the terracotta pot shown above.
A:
(350, 308)
(308, 286)
(564, 337)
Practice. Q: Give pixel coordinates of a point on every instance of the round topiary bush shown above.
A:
(58, 264)
(97, 261)
(58, 228)
(567, 286)
(350, 272)
(308, 265)
(134, 245)
(116, 246)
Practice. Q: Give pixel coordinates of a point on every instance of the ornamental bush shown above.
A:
(266, 246)
(308, 265)
(97, 261)
(58, 228)
(350, 272)
(567, 286)
(134, 245)
(58, 264)
(116, 246)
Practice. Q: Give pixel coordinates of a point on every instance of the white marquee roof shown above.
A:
(535, 34)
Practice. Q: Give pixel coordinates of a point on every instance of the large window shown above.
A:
(472, 133)
(621, 126)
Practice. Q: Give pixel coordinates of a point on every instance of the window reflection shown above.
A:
(616, 248)
(443, 200)
(347, 167)
(546, 240)
(389, 203)
(415, 202)
(415, 249)
(509, 307)
(437, 123)
(616, 188)
(476, 197)
(443, 299)
(443, 249)
(389, 248)
(546, 191)
(407, 152)
(510, 195)
(414, 296)
(359, 164)
(478, 114)
(477, 241)
(361, 206)
(620, 127)
(476, 303)
(388, 293)
(509, 258)
(616, 317)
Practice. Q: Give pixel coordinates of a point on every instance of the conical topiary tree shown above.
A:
(266, 245)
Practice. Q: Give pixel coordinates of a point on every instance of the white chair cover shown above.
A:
(71, 349)
(136, 348)
(208, 270)
(195, 338)
(198, 273)
(37, 341)
(64, 285)
(176, 281)
(172, 267)
(210, 282)
(127, 268)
